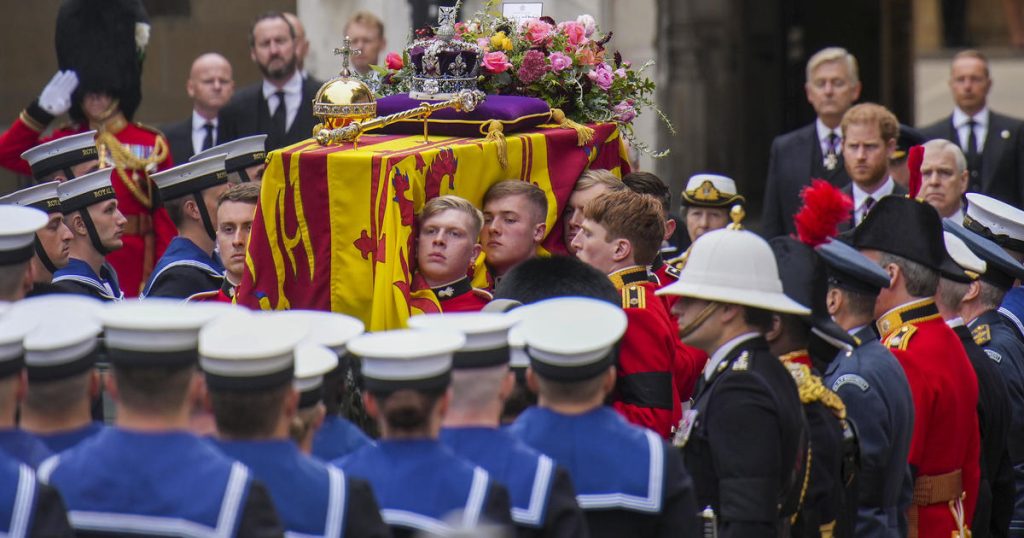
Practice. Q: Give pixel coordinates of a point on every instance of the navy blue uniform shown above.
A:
(28, 508)
(542, 494)
(78, 278)
(628, 481)
(1012, 310)
(997, 338)
(23, 447)
(419, 483)
(183, 271)
(61, 441)
(338, 437)
(311, 497)
(122, 482)
(745, 443)
(880, 408)
(996, 490)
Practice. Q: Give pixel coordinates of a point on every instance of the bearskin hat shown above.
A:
(104, 42)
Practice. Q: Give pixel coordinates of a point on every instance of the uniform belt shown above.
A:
(141, 224)
(940, 488)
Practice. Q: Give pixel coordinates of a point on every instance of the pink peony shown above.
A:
(538, 32)
(483, 43)
(589, 24)
(620, 73)
(574, 32)
(533, 67)
(624, 112)
(586, 56)
(496, 62)
(601, 75)
(394, 61)
(559, 61)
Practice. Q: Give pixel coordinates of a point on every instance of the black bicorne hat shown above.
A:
(905, 227)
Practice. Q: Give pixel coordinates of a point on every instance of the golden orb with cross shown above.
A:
(343, 99)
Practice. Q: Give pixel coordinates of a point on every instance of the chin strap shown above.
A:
(94, 236)
(699, 320)
(205, 215)
(41, 252)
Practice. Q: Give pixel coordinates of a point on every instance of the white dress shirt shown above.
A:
(199, 132)
(860, 196)
(292, 98)
(981, 119)
(958, 216)
(823, 132)
(719, 355)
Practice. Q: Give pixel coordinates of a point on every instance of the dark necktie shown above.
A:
(869, 202)
(277, 121)
(208, 139)
(973, 160)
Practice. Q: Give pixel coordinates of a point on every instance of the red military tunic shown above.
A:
(226, 294)
(945, 442)
(461, 296)
(655, 371)
(149, 230)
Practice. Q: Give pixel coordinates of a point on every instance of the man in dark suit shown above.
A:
(210, 86)
(813, 151)
(257, 109)
(993, 143)
(869, 138)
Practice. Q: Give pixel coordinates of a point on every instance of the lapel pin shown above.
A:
(1005, 134)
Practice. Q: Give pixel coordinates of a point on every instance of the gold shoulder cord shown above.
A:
(811, 389)
(123, 160)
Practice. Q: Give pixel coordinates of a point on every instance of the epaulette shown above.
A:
(811, 389)
(900, 338)
(982, 334)
(483, 294)
(633, 296)
(673, 271)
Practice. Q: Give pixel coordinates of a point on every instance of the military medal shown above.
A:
(831, 161)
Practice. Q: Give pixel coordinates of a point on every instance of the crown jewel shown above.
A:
(443, 65)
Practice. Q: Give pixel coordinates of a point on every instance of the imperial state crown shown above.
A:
(442, 65)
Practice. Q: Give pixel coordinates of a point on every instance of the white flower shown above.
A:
(588, 22)
(141, 36)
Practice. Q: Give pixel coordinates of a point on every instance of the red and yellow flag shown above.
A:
(334, 229)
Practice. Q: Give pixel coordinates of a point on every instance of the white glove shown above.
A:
(56, 96)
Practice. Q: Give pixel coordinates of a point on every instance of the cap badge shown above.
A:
(706, 192)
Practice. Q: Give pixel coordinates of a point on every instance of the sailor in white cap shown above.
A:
(312, 364)
(189, 266)
(64, 158)
(1003, 225)
(746, 429)
(91, 212)
(60, 362)
(250, 363)
(246, 157)
(337, 436)
(148, 466)
(15, 442)
(541, 493)
(629, 482)
(420, 484)
(18, 227)
(53, 241)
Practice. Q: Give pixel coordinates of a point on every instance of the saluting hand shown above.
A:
(56, 96)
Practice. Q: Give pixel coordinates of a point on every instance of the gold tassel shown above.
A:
(495, 133)
(584, 134)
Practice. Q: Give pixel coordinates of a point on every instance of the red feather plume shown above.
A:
(825, 206)
(914, 158)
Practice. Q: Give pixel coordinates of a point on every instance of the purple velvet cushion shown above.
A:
(514, 112)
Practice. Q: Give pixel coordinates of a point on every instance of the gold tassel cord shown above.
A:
(495, 133)
(584, 134)
(124, 161)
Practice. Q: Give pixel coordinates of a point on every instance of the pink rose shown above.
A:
(559, 61)
(483, 43)
(620, 73)
(394, 61)
(601, 75)
(496, 62)
(586, 56)
(538, 32)
(574, 32)
(624, 112)
(589, 24)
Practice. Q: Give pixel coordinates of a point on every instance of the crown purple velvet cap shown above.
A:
(516, 113)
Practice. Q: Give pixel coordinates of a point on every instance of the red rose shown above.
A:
(394, 61)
